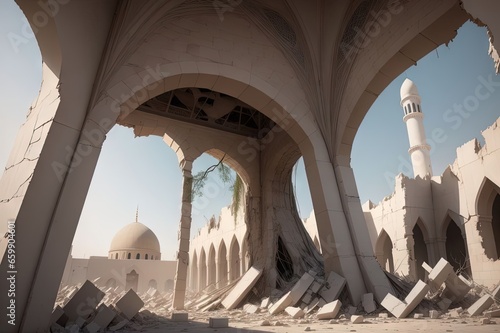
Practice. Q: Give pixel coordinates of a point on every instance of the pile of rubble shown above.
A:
(310, 299)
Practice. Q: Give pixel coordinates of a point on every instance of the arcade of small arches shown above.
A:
(214, 265)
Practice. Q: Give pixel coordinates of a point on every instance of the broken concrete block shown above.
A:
(218, 322)
(264, 304)
(336, 283)
(307, 298)
(426, 267)
(129, 304)
(485, 321)
(281, 304)
(83, 302)
(444, 304)
(401, 309)
(316, 286)
(241, 289)
(456, 288)
(368, 303)
(312, 305)
(357, 319)
(383, 315)
(418, 315)
(329, 311)
(492, 313)
(301, 287)
(104, 317)
(58, 316)
(179, 316)
(294, 312)
(251, 308)
(352, 310)
(481, 304)
(496, 293)
(433, 314)
(440, 273)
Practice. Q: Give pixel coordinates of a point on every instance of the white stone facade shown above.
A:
(455, 216)
(219, 252)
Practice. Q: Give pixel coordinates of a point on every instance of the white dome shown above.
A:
(408, 88)
(135, 236)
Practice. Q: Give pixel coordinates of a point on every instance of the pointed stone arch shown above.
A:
(234, 260)
(488, 213)
(383, 251)
(211, 267)
(456, 252)
(222, 265)
(194, 272)
(202, 281)
(420, 250)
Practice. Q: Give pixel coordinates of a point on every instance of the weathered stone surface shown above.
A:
(294, 312)
(129, 304)
(481, 304)
(180, 316)
(368, 303)
(335, 285)
(357, 319)
(301, 287)
(218, 322)
(329, 311)
(281, 304)
(242, 288)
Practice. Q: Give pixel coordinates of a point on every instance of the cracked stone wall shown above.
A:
(463, 194)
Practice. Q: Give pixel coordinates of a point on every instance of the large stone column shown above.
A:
(184, 234)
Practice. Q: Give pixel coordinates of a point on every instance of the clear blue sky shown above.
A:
(144, 171)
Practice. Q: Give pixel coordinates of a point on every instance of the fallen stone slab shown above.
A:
(335, 284)
(401, 309)
(368, 303)
(281, 304)
(218, 322)
(84, 301)
(129, 304)
(481, 304)
(433, 314)
(329, 311)
(438, 275)
(58, 316)
(241, 289)
(103, 318)
(444, 304)
(294, 312)
(250, 308)
(357, 319)
(300, 288)
(264, 304)
(180, 316)
(492, 313)
(418, 315)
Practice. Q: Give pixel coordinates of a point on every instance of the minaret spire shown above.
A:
(413, 117)
(137, 214)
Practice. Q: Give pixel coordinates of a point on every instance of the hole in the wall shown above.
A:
(456, 252)
(284, 264)
(420, 251)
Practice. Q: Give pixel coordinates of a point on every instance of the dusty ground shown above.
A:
(241, 322)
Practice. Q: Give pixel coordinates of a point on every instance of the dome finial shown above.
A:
(137, 214)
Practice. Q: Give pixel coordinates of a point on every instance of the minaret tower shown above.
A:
(419, 149)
